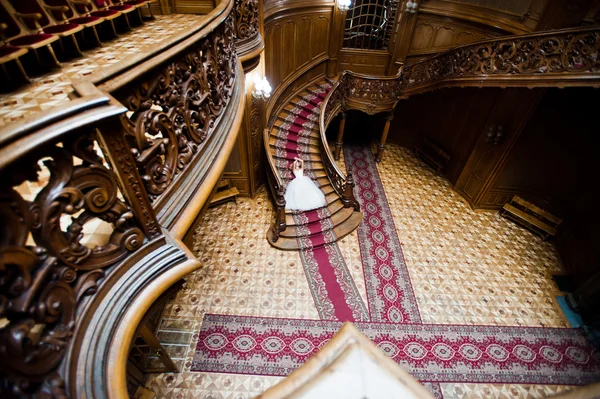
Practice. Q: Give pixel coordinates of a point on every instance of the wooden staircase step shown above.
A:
(286, 117)
(295, 138)
(341, 230)
(304, 157)
(287, 174)
(295, 129)
(333, 208)
(308, 165)
(291, 148)
(306, 110)
(336, 219)
(329, 199)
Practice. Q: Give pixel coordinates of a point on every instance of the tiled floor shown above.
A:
(466, 267)
(53, 88)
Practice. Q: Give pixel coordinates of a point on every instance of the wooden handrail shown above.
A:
(86, 302)
(560, 58)
(326, 152)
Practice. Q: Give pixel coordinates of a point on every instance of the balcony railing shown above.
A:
(135, 154)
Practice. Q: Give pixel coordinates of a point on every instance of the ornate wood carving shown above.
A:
(549, 55)
(246, 19)
(45, 269)
(369, 93)
(174, 109)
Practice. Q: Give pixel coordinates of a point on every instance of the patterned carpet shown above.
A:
(467, 269)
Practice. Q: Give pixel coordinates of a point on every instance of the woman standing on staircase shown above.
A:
(302, 194)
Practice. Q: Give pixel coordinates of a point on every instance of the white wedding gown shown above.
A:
(302, 194)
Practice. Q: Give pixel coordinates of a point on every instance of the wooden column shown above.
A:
(386, 129)
(340, 137)
(336, 40)
(406, 22)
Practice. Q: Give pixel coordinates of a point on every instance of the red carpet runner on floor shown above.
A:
(332, 287)
(439, 353)
(432, 353)
(335, 294)
(389, 291)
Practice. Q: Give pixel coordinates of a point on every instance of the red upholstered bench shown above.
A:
(63, 12)
(10, 53)
(37, 21)
(17, 35)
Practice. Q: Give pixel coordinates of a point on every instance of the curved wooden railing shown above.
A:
(277, 189)
(138, 148)
(561, 58)
(568, 57)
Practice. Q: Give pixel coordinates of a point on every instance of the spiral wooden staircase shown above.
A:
(295, 133)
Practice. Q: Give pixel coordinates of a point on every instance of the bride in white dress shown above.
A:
(302, 194)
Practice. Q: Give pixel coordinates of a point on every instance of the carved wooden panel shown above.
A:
(294, 41)
(176, 107)
(363, 61)
(48, 267)
(194, 6)
(434, 34)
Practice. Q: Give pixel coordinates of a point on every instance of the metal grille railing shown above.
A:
(369, 24)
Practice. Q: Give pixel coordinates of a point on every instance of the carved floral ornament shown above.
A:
(370, 90)
(562, 53)
(45, 269)
(246, 19)
(174, 110)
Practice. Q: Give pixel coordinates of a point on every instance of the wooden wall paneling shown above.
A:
(555, 165)
(451, 118)
(160, 7)
(336, 40)
(194, 6)
(566, 13)
(493, 146)
(373, 62)
(512, 20)
(244, 168)
(296, 41)
(433, 34)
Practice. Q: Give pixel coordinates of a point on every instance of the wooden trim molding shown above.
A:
(502, 20)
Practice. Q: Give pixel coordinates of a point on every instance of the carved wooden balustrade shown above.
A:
(568, 57)
(138, 164)
(560, 58)
(277, 187)
(248, 26)
(49, 276)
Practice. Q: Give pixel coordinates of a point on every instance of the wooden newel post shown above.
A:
(348, 195)
(280, 224)
(340, 137)
(381, 145)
